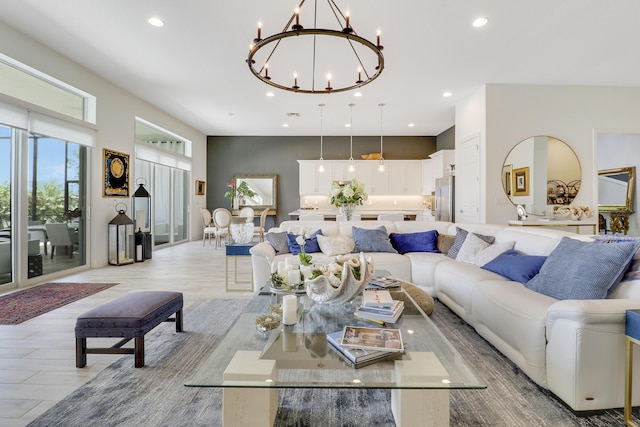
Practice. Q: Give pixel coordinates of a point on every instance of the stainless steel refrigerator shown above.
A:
(445, 199)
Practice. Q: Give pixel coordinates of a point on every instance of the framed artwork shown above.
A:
(200, 188)
(115, 169)
(506, 179)
(520, 185)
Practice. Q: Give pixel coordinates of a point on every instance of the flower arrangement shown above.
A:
(301, 239)
(242, 191)
(350, 193)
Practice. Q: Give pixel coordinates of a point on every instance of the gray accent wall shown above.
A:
(447, 139)
(228, 155)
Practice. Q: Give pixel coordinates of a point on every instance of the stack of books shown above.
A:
(378, 306)
(365, 346)
(380, 282)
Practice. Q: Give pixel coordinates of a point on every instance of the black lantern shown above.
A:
(141, 202)
(121, 244)
(142, 208)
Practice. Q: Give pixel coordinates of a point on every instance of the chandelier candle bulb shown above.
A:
(289, 309)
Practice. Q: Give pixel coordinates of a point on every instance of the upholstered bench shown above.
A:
(129, 317)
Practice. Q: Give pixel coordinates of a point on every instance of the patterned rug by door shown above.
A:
(23, 305)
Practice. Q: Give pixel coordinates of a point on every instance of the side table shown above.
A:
(632, 332)
(234, 251)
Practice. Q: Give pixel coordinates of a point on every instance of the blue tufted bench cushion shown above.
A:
(130, 316)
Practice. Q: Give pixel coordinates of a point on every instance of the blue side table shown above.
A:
(234, 251)
(632, 331)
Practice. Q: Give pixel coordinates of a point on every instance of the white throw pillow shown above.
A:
(470, 248)
(332, 246)
(488, 254)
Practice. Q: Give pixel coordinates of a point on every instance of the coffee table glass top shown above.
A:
(300, 356)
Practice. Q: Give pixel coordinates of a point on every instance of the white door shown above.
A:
(468, 181)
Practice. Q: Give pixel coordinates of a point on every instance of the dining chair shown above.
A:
(221, 220)
(260, 229)
(247, 212)
(58, 235)
(311, 217)
(208, 228)
(391, 217)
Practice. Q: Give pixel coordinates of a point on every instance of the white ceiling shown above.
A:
(194, 67)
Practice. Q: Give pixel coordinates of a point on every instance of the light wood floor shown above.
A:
(37, 357)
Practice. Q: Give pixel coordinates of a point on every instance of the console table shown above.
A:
(540, 222)
(234, 251)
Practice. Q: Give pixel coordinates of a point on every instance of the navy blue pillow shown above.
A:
(426, 241)
(515, 266)
(310, 245)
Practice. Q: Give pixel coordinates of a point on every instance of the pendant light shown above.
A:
(381, 165)
(352, 166)
(321, 165)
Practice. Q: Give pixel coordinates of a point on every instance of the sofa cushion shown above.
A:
(332, 246)
(582, 270)
(426, 241)
(310, 244)
(461, 235)
(516, 266)
(279, 241)
(489, 253)
(374, 240)
(471, 246)
(445, 241)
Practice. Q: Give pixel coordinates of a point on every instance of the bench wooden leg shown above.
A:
(179, 320)
(139, 351)
(81, 352)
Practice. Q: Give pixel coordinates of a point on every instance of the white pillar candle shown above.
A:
(138, 252)
(294, 277)
(281, 267)
(289, 309)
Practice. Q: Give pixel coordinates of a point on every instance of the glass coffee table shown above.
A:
(251, 365)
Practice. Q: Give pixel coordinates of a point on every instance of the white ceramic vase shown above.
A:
(321, 290)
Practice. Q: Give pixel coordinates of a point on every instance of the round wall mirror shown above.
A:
(539, 172)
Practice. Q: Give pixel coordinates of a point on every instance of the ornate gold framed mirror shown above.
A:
(616, 189)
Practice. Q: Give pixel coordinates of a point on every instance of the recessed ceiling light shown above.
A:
(447, 94)
(480, 22)
(357, 94)
(156, 22)
(270, 94)
(348, 125)
(285, 125)
(411, 125)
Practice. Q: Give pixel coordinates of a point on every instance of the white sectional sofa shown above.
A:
(575, 348)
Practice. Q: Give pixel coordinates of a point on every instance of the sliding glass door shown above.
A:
(42, 211)
(6, 252)
(169, 195)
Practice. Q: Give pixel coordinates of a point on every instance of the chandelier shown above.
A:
(314, 60)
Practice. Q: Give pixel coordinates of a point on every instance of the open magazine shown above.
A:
(372, 338)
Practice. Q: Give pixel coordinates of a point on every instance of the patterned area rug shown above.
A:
(23, 305)
(155, 395)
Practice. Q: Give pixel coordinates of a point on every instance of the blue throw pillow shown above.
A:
(376, 240)
(310, 245)
(583, 270)
(426, 241)
(516, 266)
(461, 236)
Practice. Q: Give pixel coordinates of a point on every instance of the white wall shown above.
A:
(573, 114)
(116, 112)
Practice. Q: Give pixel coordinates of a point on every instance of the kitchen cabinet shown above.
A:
(428, 182)
(405, 176)
(311, 180)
